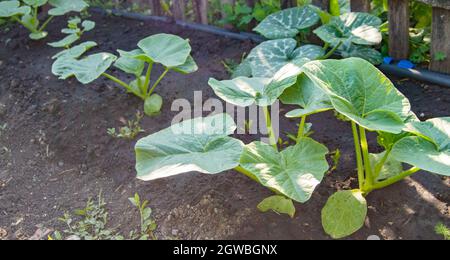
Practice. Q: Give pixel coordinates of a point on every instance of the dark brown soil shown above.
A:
(55, 152)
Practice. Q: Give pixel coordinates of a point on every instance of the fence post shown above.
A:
(360, 5)
(440, 40)
(324, 4)
(201, 10)
(155, 6)
(399, 29)
(179, 9)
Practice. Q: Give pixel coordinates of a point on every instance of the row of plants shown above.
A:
(282, 69)
(279, 69)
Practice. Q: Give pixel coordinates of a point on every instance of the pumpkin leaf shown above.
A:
(430, 150)
(200, 144)
(362, 93)
(278, 204)
(269, 57)
(344, 213)
(288, 23)
(85, 70)
(294, 172)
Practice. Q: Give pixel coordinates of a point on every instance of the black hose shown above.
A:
(418, 74)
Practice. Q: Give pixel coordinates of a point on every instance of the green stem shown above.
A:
(272, 138)
(121, 83)
(158, 81)
(31, 29)
(44, 25)
(331, 52)
(380, 164)
(358, 156)
(148, 75)
(395, 179)
(365, 152)
(301, 129)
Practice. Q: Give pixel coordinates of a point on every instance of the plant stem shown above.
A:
(331, 52)
(31, 29)
(123, 84)
(365, 153)
(380, 164)
(359, 160)
(395, 179)
(157, 82)
(44, 25)
(147, 77)
(272, 138)
(301, 129)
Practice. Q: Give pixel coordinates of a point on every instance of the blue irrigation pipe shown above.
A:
(418, 74)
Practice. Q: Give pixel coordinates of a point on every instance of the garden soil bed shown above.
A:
(55, 152)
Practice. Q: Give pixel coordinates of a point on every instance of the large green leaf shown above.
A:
(430, 150)
(307, 95)
(294, 172)
(85, 70)
(169, 50)
(248, 91)
(62, 7)
(288, 23)
(127, 63)
(278, 204)
(344, 213)
(76, 51)
(269, 57)
(200, 144)
(362, 93)
(357, 28)
(65, 42)
(12, 8)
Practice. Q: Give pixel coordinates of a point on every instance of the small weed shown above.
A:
(131, 129)
(148, 225)
(442, 230)
(440, 56)
(89, 223)
(335, 157)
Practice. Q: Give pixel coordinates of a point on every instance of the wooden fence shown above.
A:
(398, 23)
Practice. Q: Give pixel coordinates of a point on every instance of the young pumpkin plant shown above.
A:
(370, 102)
(26, 13)
(73, 32)
(353, 34)
(205, 146)
(171, 51)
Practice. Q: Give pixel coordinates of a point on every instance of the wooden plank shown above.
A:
(399, 29)
(360, 5)
(201, 11)
(155, 6)
(440, 40)
(179, 9)
(324, 4)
